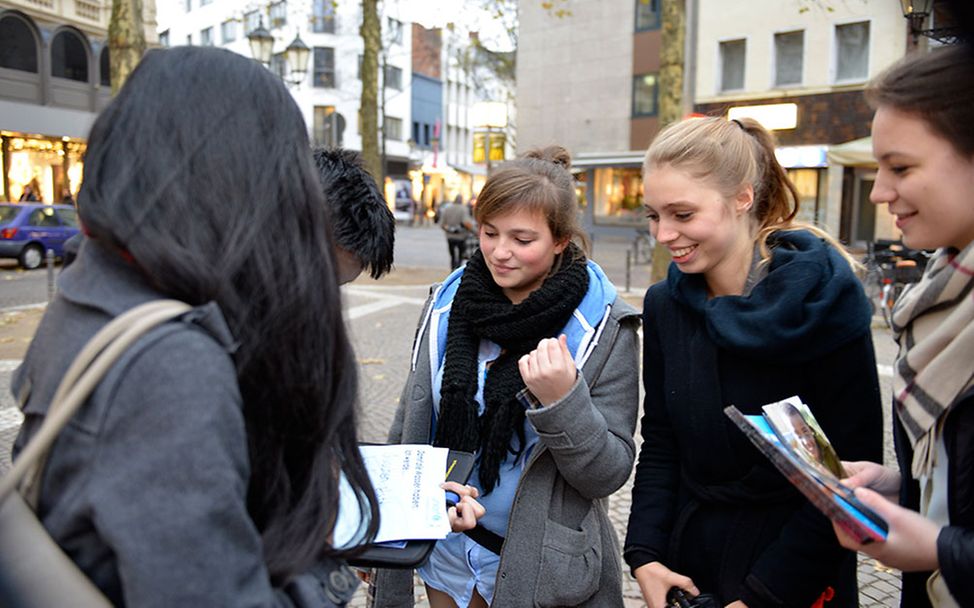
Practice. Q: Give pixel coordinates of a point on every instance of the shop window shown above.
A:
(618, 197)
(645, 95)
(789, 49)
(732, 55)
(852, 51)
(810, 186)
(105, 67)
(324, 67)
(69, 57)
(18, 48)
(647, 15)
(323, 17)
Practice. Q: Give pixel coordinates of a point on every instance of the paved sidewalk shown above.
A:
(382, 317)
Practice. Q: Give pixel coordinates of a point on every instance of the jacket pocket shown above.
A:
(571, 562)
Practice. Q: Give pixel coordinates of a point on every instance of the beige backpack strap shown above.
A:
(81, 378)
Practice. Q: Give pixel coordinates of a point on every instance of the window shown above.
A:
(206, 37)
(328, 126)
(416, 133)
(44, 217)
(164, 38)
(69, 217)
(279, 64)
(395, 31)
(393, 77)
(323, 17)
(732, 53)
(251, 21)
(228, 31)
(788, 56)
(278, 14)
(647, 15)
(205, 2)
(619, 197)
(18, 51)
(852, 51)
(189, 5)
(105, 67)
(426, 134)
(69, 57)
(392, 128)
(644, 95)
(324, 67)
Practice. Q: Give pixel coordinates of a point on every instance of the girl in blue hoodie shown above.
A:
(756, 308)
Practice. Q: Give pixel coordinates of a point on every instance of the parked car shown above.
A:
(28, 230)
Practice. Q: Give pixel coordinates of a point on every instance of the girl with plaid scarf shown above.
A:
(923, 138)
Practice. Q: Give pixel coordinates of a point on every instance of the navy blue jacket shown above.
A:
(705, 502)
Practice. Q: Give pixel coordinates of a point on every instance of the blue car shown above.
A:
(28, 230)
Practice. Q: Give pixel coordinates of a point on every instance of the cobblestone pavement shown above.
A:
(382, 319)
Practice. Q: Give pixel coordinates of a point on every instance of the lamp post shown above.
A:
(916, 13)
(296, 55)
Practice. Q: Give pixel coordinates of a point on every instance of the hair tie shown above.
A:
(739, 124)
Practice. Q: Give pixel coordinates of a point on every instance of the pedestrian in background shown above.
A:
(204, 470)
(923, 138)
(364, 227)
(457, 224)
(527, 357)
(756, 308)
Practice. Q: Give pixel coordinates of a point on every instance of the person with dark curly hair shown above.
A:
(364, 227)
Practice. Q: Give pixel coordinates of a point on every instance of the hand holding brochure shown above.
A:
(790, 437)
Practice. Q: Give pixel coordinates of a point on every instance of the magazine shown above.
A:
(788, 434)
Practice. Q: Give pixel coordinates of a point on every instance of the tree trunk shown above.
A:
(368, 111)
(126, 40)
(670, 93)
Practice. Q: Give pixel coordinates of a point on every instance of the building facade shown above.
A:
(329, 93)
(54, 79)
(801, 72)
(589, 81)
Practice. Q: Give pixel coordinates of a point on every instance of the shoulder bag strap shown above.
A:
(83, 375)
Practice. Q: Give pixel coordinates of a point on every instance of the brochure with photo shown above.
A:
(788, 434)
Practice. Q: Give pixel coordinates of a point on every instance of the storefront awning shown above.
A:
(586, 160)
(855, 153)
(471, 169)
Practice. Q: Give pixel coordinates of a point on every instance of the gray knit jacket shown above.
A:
(560, 548)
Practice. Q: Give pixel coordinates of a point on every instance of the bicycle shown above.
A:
(642, 247)
(890, 267)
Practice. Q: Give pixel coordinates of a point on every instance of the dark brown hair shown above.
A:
(541, 180)
(937, 87)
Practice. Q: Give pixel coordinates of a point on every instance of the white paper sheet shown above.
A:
(407, 482)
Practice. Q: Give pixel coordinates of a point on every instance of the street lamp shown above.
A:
(916, 13)
(296, 54)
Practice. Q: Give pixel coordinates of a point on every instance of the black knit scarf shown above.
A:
(481, 310)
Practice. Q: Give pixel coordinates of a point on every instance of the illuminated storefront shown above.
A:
(612, 184)
(52, 166)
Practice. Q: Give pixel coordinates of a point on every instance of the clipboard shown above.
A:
(413, 553)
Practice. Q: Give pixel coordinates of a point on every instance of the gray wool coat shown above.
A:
(560, 548)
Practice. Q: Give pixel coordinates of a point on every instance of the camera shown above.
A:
(678, 598)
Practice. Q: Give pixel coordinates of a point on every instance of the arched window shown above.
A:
(18, 48)
(69, 57)
(105, 67)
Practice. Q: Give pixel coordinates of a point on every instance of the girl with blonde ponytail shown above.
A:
(756, 307)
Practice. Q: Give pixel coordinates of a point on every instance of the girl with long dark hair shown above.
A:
(923, 140)
(756, 308)
(527, 357)
(204, 470)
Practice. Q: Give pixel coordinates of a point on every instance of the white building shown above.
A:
(329, 93)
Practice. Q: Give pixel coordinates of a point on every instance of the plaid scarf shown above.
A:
(933, 322)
